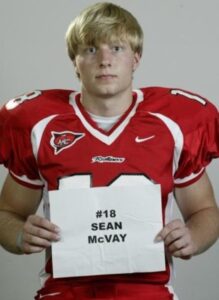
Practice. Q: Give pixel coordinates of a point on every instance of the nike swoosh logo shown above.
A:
(141, 140)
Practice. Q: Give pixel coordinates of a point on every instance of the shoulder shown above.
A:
(32, 107)
(176, 96)
(186, 108)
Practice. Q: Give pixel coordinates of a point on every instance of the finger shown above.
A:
(29, 249)
(32, 244)
(183, 248)
(43, 223)
(184, 253)
(41, 227)
(32, 231)
(36, 241)
(177, 245)
(175, 224)
(174, 236)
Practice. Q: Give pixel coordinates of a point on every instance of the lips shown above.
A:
(106, 76)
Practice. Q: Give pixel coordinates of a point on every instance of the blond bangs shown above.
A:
(104, 22)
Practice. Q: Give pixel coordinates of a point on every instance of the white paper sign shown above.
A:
(107, 230)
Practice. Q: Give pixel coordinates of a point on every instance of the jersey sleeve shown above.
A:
(15, 146)
(17, 120)
(200, 128)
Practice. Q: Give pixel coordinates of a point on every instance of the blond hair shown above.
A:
(103, 22)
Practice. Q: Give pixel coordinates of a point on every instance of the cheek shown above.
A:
(128, 67)
(79, 69)
(129, 62)
(84, 66)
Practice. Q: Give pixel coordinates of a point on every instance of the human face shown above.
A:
(106, 70)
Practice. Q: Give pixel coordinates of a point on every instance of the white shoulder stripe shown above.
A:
(188, 178)
(37, 132)
(24, 178)
(177, 137)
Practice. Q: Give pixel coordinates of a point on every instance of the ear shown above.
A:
(76, 68)
(136, 61)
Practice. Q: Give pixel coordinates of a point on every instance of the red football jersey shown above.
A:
(167, 136)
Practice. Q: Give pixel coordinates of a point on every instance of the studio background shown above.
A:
(180, 50)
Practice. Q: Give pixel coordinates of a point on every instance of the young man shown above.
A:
(167, 136)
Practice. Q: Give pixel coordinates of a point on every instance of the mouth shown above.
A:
(106, 76)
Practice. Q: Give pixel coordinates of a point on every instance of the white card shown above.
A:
(107, 230)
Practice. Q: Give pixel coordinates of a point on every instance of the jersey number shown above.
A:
(85, 181)
(190, 96)
(16, 101)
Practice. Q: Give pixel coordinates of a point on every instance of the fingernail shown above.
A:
(57, 230)
(58, 237)
(158, 238)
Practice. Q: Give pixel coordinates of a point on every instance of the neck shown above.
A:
(106, 106)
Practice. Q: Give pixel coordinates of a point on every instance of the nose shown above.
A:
(105, 57)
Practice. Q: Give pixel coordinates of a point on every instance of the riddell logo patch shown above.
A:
(63, 140)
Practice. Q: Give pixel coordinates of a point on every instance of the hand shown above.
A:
(177, 239)
(38, 234)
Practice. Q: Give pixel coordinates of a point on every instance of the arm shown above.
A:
(18, 205)
(201, 216)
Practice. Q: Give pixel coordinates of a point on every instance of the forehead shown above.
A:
(104, 36)
(105, 40)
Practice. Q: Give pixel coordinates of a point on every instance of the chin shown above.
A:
(106, 93)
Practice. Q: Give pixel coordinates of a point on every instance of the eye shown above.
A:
(91, 50)
(117, 48)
